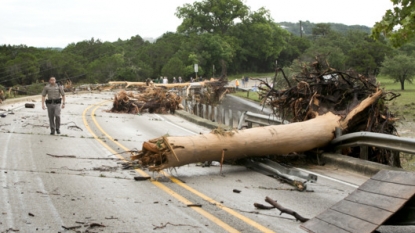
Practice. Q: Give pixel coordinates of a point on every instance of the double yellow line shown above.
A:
(180, 198)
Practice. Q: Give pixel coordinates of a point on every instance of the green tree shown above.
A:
(24, 69)
(64, 66)
(333, 55)
(173, 68)
(399, 68)
(295, 46)
(398, 24)
(321, 29)
(260, 41)
(105, 68)
(212, 16)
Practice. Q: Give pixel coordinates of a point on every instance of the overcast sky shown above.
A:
(57, 23)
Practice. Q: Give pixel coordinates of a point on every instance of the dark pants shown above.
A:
(54, 113)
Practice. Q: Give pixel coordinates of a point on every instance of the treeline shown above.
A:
(305, 28)
(213, 39)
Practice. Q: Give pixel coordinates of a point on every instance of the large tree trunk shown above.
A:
(166, 152)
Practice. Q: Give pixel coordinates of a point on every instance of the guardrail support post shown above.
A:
(223, 116)
(364, 152)
(230, 118)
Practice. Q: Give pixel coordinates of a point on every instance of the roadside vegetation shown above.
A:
(404, 105)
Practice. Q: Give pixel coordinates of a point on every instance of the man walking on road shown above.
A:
(53, 104)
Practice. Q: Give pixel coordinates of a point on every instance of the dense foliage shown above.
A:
(222, 36)
(398, 24)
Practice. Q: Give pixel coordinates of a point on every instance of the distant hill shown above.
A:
(307, 27)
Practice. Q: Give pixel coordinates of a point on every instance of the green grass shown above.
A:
(250, 75)
(252, 95)
(404, 105)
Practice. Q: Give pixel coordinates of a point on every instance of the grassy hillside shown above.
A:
(404, 105)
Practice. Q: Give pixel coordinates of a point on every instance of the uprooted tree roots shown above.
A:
(320, 89)
(155, 100)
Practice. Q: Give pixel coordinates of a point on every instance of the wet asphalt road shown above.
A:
(75, 180)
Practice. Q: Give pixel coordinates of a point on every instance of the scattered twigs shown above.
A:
(33, 125)
(92, 225)
(62, 156)
(285, 77)
(74, 157)
(71, 228)
(285, 210)
(168, 223)
(73, 127)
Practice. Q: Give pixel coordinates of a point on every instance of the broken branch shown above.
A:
(285, 210)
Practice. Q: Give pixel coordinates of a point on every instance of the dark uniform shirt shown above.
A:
(53, 92)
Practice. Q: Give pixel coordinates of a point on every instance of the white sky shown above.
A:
(57, 23)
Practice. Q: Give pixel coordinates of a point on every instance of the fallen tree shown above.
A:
(170, 151)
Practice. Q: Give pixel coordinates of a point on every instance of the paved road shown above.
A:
(75, 179)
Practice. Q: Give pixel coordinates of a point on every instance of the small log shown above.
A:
(285, 210)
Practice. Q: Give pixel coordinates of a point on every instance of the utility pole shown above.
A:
(301, 30)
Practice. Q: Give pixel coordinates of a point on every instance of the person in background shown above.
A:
(246, 80)
(243, 81)
(180, 79)
(174, 80)
(53, 104)
(165, 80)
(237, 84)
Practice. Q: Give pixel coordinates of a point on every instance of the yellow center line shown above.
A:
(180, 198)
(190, 189)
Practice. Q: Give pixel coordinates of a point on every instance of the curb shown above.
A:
(200, 121)
(363, 167)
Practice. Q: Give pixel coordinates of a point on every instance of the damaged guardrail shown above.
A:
(291, 176)
(255, 118)
(379, 140)
(361, 139)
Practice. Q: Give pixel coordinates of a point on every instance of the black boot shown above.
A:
(52, 132)
(58, 131)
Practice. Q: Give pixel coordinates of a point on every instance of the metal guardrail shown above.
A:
(375, 139)
(362, 139)
(260, 119)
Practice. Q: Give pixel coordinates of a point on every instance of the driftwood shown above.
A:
(285, 210)
(156, 100)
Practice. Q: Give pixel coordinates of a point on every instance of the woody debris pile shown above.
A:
(321, 100)
(154, 100)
